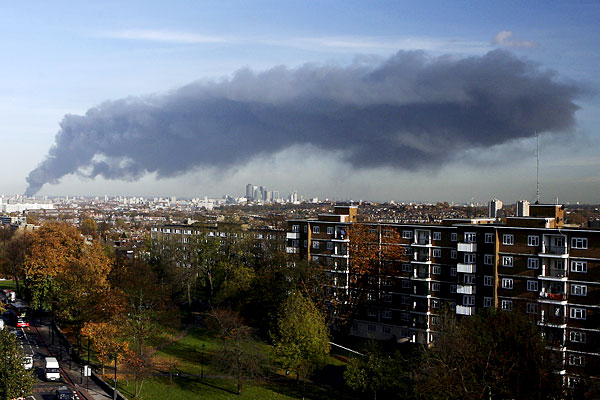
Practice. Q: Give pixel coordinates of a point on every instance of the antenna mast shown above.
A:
(537, 177)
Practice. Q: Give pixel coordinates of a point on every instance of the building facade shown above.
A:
(532, 264)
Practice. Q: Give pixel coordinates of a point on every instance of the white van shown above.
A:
(51, 371)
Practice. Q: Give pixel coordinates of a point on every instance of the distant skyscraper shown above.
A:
(522, 208)
(249, 191)
(494, 208)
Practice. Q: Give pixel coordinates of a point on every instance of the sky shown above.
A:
(379, 100)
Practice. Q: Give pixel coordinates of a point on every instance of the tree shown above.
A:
(378, 371)
(104, 337)
(239, 353)
(89, 227)
(301, 337)
(492, 355)
(16, 380)
(13, 252)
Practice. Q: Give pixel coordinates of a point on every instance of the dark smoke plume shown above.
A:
(408, 112)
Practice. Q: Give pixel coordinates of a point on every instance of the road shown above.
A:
(32, 343)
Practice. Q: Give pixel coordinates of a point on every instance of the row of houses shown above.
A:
(534, 264)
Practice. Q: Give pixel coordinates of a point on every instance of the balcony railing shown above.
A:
(555, 272)
(340, 235)
(466, 268)
(465, 289)
(465, 310)
(553, 296)
(423, 241)
(467, 247)
(292, 250)
(422, 257)
(293, 235)
(554, 250)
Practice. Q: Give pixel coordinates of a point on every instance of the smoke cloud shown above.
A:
(407, 112)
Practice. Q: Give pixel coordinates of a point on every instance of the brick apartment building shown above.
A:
(531, 263)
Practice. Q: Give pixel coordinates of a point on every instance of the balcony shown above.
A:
(422, 258)
(292, 235)
(340, 236)
(466, 268)
(465, 289)
(467, 247)
(554, 273)
(465, 310)
(554, 251)
(292, 250)
(422, 242)
(553, 296)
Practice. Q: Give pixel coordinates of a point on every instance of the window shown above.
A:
(488, 280)
(435, 303)
(470, 258)
(506, 305)
(453, 271)
(437, 235)
(315, 245)
(578, 313)
(295, 243)
(372, 231)
(295, 228)
(488, 259)
(508, 240)
(578, 266)
(305, 243)
(532, 286)
(408, 251)
(387, 233)
(406, 267)
(434, 320)
(387, 314)
(579, 243)
(387, 298)
(330, 230)
(405, 300)
(489, 238)
(437, 270)
(577, 337)
(533, 240)
(405, 317)
(372, 312)
(437, 252)
(468, 300)
(579, 290)
(507, 283)
(452, 288)
(576, 360)
(435, 287)
(453, 254)
(507, 261)
(404, 332)
(386, 329)
(305, 228)
(405, 284)
(470, 237)
(469, 279)
(329, 245)
(487, 302)
(316, 229)
(372, 328)
(532, 308)
(454, 236)
(407, 234)
(533, 263)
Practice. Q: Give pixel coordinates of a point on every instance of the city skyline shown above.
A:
(126, 57)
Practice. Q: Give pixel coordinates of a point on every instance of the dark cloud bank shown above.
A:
(407, 112)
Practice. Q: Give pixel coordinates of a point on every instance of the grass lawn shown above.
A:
(194, 388)
(188, 352)
(8, 285)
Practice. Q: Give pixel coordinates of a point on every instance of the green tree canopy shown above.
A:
(16, 380)
(492, 355)
(301, 337)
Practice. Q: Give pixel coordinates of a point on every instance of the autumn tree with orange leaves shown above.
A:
(66, 274)
(373, 256)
